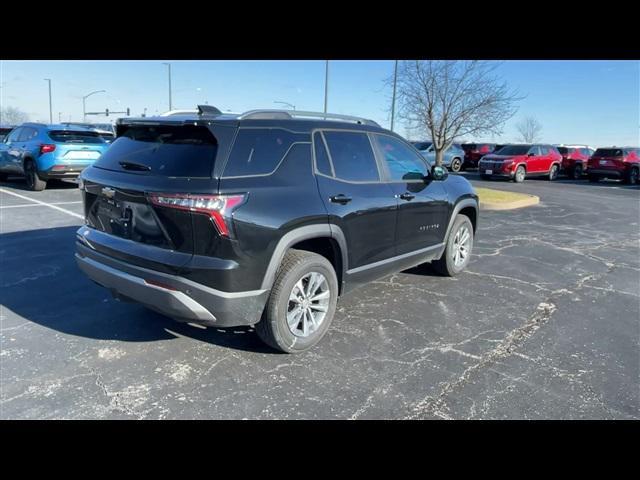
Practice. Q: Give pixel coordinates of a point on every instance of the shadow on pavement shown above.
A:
(41, 283)
(19, 184)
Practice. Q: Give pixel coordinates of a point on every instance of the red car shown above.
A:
(473, 152)
(574, 159)
(615, 162)
(519, 161)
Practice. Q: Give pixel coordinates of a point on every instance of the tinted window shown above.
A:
(608, 152)
(563, 150)
(402, 162)
(323, 165)
(514, 150)
(27, 134)
(70, 136)
(13, 136)
(422, 145)
(543, 150)
(258, 151)
(352, 156)
(186, 151)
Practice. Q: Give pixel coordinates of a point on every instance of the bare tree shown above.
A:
(529, 129)
(451, 99)
(12, 116)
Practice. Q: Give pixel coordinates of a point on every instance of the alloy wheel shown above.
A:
(461, 246)
(308, 304)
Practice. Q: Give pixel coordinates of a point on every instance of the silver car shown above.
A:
(453, 157)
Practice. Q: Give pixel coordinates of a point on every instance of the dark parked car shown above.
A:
(43, 152)
(615, 162)
(453, 156)
(265, 218)
(519, 161)
(574, 159)
(4, 131)
(473, 152)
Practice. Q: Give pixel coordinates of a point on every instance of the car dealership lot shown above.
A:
(544, 324)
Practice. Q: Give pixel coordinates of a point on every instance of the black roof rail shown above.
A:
(289, 114)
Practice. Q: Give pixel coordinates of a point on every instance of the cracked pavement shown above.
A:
(544, 324)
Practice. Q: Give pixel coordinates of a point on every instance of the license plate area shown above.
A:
(116, 217)
(488, 171)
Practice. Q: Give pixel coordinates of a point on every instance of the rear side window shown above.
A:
(352, 156)
(27, 134)
(259, 151)
(70, 136)
(13, 136)
(323, 164)
(182, 151)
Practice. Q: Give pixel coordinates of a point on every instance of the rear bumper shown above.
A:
(607, 173)
(171, 295)
(63, 171)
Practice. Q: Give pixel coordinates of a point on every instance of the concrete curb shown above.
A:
(524, 202)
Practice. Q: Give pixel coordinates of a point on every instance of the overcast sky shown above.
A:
(591, 102)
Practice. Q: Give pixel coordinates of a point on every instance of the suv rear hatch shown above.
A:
(607, 159)
(77, 146)
(140, 197)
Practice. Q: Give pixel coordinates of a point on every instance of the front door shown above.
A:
(423, 206)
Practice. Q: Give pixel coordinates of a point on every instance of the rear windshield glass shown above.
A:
(422, 145)
(513, 150)
(183, 151)
(70, 136)
(608, 152)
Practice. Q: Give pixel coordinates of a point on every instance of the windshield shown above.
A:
(71, 136)
(513, 150)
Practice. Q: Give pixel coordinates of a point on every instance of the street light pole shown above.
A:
(84, 109)
(326, 84)
(293, 107)
(393, 101)
(50, 104)
(170, 103)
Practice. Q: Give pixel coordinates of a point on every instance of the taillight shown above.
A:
(218, 207)
(47, 148)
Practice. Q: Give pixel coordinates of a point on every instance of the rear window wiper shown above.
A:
(134, 166)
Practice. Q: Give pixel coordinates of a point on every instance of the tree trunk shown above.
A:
(439, 157)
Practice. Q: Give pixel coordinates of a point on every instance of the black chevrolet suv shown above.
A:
(265, 218)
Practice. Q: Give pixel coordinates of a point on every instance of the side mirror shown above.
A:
(439, 173)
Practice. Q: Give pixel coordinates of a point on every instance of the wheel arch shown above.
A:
(324, 239)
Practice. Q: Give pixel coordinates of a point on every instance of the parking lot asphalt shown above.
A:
(544, 324)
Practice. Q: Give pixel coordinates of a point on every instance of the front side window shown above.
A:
(402, 162)
(13, 136)
(535, 150)
(352, 156)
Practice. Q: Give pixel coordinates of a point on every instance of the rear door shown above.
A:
(422, 203)
(535, 161)
(356, 198)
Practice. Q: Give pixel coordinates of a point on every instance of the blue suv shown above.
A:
(44, 152)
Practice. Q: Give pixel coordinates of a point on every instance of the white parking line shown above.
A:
(36, 205)
(68, 212)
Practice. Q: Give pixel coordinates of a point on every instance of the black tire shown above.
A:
(632, 178)
(3, 176)
(553, 172)
(273, 328)
(520, 175)
(576, 172)
(34, 182)
(456, 165)
(446, 265)
(485, 177)
(594, 178)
